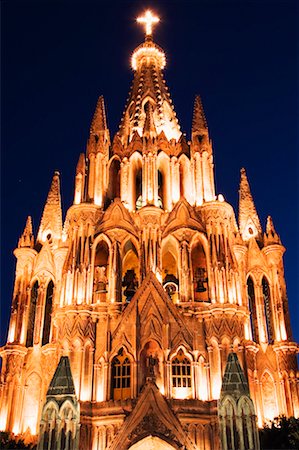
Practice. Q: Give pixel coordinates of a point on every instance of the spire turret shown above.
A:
(99, 138)
(234, 382)
(249, 221)
(99, 120)
(271, 236)
(51, 222)
(27, 238)
(80, 179)
(148, 62)
(199, 122)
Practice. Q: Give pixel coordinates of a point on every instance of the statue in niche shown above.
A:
(130, 283)
(100, 279)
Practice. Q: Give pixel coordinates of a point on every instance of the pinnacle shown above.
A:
(99, 122)
(249, 221)
(54, 192)
(271, 236)
(199, 122)
(62, 381)
(270, 226)
(234, 381)
(51, 222)
(27, 239)
(81, 164)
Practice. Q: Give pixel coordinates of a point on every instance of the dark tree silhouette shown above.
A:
(282, 433)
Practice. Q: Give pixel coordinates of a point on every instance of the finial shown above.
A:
(148, 20)
(27, 239)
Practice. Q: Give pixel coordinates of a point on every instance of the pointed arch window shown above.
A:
(161, 190)
(268, 309)
(31, 316)
(48, 313)
(138, 187)
(200, 273)
(121, 376)
(114, 180)
(252, 309)
(181, 376)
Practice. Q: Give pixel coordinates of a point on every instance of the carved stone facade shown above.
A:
(147, 288)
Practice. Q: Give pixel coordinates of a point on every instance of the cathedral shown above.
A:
(150, 317)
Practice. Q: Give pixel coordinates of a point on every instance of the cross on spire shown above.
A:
(148, 20)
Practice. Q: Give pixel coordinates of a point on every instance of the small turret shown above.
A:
(237, 419)
(99, 125)
(51, 222)
(99, 138)
(80, 180)
(249, 222)
(199, 122)
(27, 238)
(271, 237)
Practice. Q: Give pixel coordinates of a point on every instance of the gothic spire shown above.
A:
(249, 221)
(148, 62)
(51, 221)
(199, 122)
(234, 381)
(27, 238)
(62, 382)
(81, 164)
(271, 236)
(99, 121)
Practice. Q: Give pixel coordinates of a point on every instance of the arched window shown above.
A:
(31, 316)
(130, 271)
(181, 376)
(121, 376)
(101, 269)
(170, 270)
(231, 431)
(48, 312)
(252, 309)
(246, 426)
(138, 187)
(114, 180)
(161, 190)
(268, 310)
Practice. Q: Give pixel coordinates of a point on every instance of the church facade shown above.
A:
(150, 317)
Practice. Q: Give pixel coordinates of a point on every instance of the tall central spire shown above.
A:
(148, 88)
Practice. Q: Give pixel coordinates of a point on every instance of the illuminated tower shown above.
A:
(131, 321)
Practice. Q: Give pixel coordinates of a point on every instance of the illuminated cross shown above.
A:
(148, 20)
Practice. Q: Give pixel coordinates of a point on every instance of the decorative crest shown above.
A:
(148, 20)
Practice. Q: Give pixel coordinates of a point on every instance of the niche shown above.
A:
(200, 273)
(130, 271)
(114, 180)
(101, 271)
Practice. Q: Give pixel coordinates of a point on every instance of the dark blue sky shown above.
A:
(59, 56)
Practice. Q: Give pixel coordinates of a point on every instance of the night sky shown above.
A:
(59, 56)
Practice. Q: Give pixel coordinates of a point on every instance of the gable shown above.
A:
(182, 216)
(152, 416)
(151, 315)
